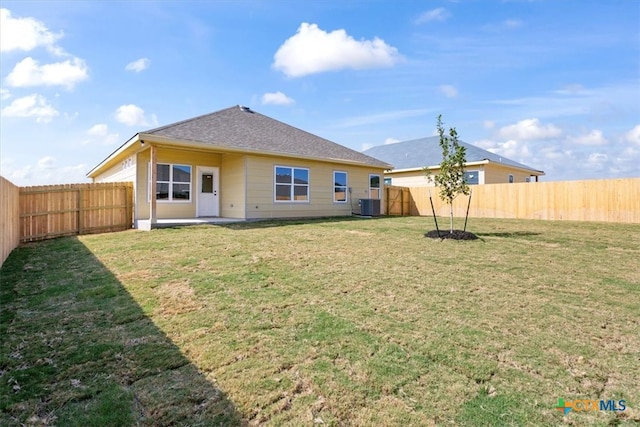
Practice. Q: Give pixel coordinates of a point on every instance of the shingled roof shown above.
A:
(241, 128)
(422, 152)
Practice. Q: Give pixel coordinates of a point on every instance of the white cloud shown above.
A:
(276, 98)
(597, 161)
(29, 73)
(390, 141)
(633, 136)
(24, 34)
(438, 14)
(512, 149)
(529, 129)
(138, 65)
(489, 124)
(101, 133)
(448, 90)
(312, 50)
(595, 137)
(512, 23)
(47, 162)
(98, 130)
(132, 115)
(31, 106)
(381, 117)
(44, 171)
(4, 94)
(507, 24)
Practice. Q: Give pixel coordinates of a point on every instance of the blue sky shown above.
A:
(552, 84)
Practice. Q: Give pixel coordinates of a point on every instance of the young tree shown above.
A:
(450, 178)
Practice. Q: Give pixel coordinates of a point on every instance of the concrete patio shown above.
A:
(145, 224)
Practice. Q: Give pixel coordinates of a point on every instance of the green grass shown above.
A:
(339, 321)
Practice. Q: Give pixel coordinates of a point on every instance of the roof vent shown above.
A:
(245, 109)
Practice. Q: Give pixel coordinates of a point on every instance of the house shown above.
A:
(237, 163)
(482, 166)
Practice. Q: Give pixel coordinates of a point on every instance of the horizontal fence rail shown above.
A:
(607, 200)
(62, 210)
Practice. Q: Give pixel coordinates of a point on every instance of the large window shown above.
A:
(374, 187)
(340, 187)
(292, 184)
(173, 182)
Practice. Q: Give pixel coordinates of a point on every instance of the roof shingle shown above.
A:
(418, 153)
(241, 128)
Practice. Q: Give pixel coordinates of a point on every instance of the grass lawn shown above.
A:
(334, 322)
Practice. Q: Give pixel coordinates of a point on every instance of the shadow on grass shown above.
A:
(78, 350)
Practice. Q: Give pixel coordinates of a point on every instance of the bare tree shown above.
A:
(450, 178)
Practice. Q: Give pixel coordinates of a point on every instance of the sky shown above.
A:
(551, 84)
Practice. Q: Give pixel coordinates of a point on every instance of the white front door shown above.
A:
(208, 191)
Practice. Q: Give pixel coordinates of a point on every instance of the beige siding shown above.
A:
(409, 179)
(166, 155)
(260, 188)
(122, 172)
(488, 174)
(498, 174)
(232, 186)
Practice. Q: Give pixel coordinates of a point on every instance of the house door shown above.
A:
(208, 192)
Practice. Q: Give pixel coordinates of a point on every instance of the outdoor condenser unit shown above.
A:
(370, 207)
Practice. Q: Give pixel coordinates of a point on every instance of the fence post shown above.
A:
(80, 212)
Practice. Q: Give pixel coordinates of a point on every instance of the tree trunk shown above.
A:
(451, 217)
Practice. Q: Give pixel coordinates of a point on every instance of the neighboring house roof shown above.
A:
(241, 129)
(422, 152)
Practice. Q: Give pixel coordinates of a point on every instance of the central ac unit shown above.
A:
(370, 207)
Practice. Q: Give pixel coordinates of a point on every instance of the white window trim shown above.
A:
(170, 182)
(293, 185)
(380, 182)
(346, 188)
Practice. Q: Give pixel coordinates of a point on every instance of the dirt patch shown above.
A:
(455, 235)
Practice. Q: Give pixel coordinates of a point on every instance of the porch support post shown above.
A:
(153, 219)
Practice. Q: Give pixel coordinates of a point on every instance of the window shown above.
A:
(472, 177)
(173, 182)
(374, 186)
(388, 181)
(340, 187)
(292, 184)
(510, 179)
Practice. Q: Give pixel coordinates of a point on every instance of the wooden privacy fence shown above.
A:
(9, 218)
(608, 200)
(61, 210)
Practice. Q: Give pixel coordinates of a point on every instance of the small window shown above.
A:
(374, 187)
(340, 187)
(291, 184)
(510, 179)
(472, 177)
(207, 183)
(387, 181)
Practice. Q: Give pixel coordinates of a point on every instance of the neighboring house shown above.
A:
(237, 163)
(482, 167)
